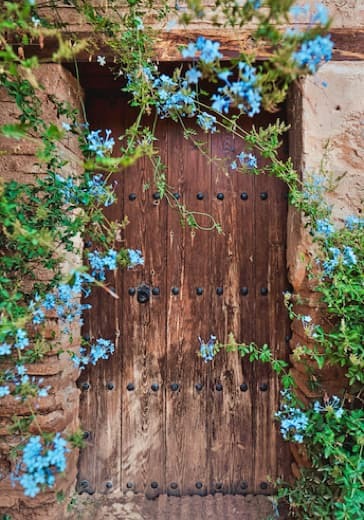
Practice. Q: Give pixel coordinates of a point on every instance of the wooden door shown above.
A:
(158, 418)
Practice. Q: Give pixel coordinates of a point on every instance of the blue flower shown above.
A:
(40, 462)
(66, 126)
(99, 263)
(189, 51)
(349, 256)
(220, 103)
(247, 159)
(210, 51)
(4, 390)
(207, 350)
(324, 227)
(135, 258)
(313, 52)
(98, 188)
(200, 43)
(193, 75)
(43, 392)
(38, 316)
(21, 339)
(224, 75)
(330, 405)
(293, 423)
(206, 122)
(321, 15)
(101, 60)
(21, 369)
(243, 93)
(110, 259)
(255, 4)
(293, 420)
(330, 264)
(102, 349)
(353, 222)
(5, 349)
(99, 145)
(299, 10)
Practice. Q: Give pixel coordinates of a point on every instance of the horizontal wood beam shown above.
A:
(348, 45)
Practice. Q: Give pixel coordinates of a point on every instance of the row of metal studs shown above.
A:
(200, 196)
(263, 387)
(84, 484)
(199, 291)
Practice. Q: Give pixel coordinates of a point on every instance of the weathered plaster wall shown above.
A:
(58, 411)
(345, 13)
(324, 118)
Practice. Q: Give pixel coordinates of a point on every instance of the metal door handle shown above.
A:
(143, 293)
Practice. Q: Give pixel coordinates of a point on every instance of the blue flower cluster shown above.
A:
(64, 300)
(324, 227)
(98, 144)
(332, 405)
(135, 258)
(177, 96)
(174, 98)
(313, 52)
(20, 341)
(255, 4)
(354, 222)
(207, 350)
(19, 379)
(4, 390)
(244, 93)
(314, 189)
(318, 14)
(94, 190)
(40, 462)
(346, 257)
(293, 421)
(102, 349)
(207, 50)
(207, 122)
(245, 160)
(100, 262)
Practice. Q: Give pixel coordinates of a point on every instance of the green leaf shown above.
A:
(14, 130)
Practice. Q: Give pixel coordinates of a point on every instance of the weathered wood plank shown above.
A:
(144, 335)
(188, 317)
(100, 404)
(271, 214)
(247, 279)
(228, 409)
(348, 45)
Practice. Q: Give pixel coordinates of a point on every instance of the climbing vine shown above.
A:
(42, 221)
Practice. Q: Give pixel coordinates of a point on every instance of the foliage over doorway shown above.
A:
(41, 220)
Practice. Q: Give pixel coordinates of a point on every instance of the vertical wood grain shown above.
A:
(100, 404)
(186, 436)
(144, 324)
(188, 317)
(230, 409)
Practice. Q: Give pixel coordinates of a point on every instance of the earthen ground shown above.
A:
(136, 507)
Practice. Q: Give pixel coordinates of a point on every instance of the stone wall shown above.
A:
(333, 114)
(58, 411)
